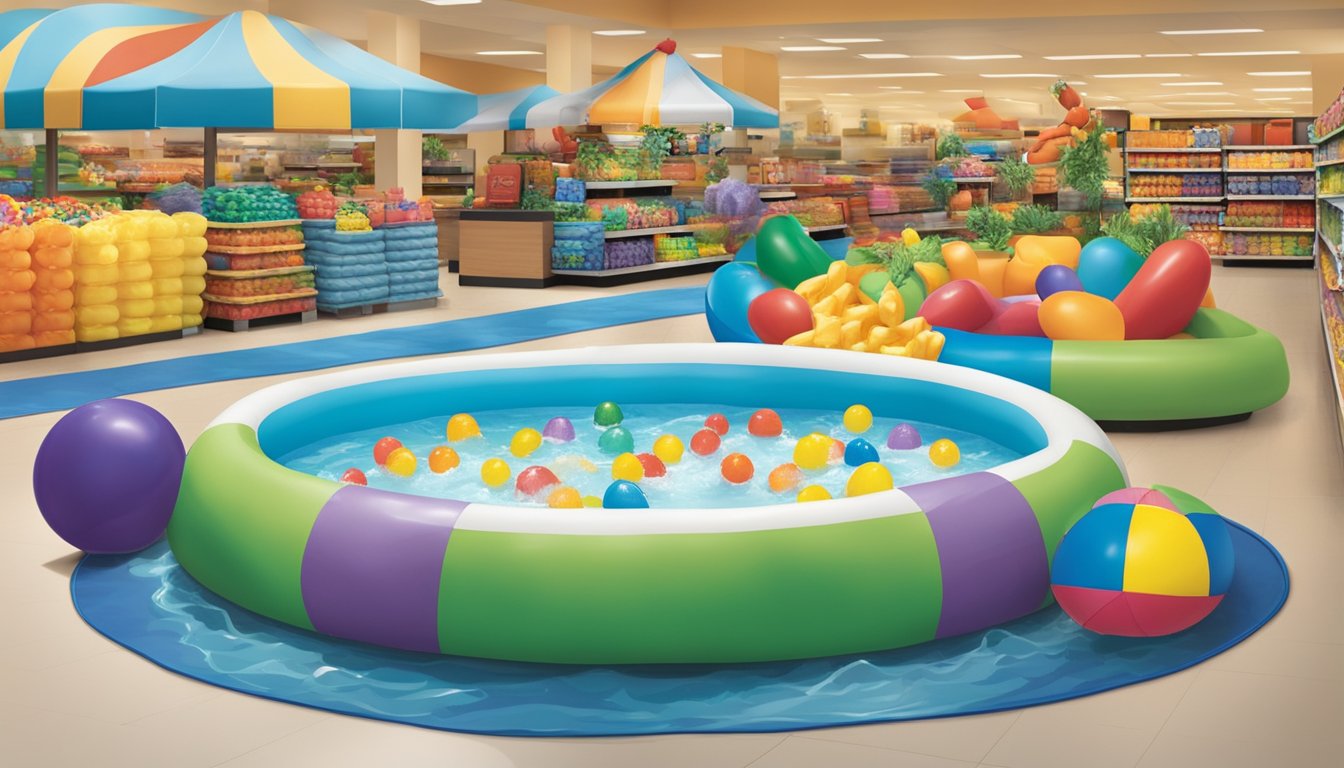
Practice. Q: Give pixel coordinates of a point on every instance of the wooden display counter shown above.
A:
(447, 219)
(505, 248)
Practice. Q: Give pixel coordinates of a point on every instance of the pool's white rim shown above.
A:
(1062, 423)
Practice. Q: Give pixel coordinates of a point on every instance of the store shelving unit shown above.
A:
(1271, 197)
(655, 271)
(1282, 230)
(222, 324)
(1177, 199)
(1331, 266)
(616, 234)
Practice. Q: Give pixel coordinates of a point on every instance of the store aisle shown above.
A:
(73, 697)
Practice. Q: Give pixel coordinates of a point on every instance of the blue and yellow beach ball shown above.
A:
(1140, 564)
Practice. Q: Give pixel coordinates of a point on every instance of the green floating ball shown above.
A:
(608, 414)
(615, 441)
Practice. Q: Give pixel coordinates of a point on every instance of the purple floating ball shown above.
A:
(107, 475)
(558, 430)
(903, 437)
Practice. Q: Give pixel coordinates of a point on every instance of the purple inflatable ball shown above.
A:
(903, 437)
(558, 430)
(107, 475)
(1057, 278)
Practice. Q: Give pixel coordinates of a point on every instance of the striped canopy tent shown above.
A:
(658, 88)
(115, 67)
(506, 111)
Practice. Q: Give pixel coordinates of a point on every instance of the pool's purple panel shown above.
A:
(993, 557)
(373, 564)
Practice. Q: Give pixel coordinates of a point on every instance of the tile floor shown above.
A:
(72, 698)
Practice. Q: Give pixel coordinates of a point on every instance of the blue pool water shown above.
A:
(695, 482)
(147, 603)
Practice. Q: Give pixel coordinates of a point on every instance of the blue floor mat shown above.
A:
(147, 603)
(24, 397)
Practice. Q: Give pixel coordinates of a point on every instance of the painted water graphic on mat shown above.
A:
(149, 604)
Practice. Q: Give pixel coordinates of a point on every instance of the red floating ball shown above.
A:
(354, 477)
(717, 422)
(383, 447)
(778, 315)
(653, 466)
(736, 468)
(765, 423)
(534, 480)
(705, 442)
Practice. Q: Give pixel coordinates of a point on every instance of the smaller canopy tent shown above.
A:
(127, 67)
(658, 88)
(506, 111)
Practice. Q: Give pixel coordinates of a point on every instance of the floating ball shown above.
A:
(534, 480)
(653, 466)
(401, 462)
(627, 466)
(572, 464)
(462, 426)
(1056, 278)
(944, 453)
(837, 451)
(903, 437)
(858, 419)
(717, 422)
(354, 476)
(524, 442)
(813, 493)
(1140, 565)
(779, 314)
(736, 468)
(442, 459)
(565, 497)
(705, 442)
(607, 414)
(383, 447)
(869, 478)
(624, 494)
(668, 448)
(765, 423)
(812, 451)
(592, 502)
(495, 472)
(107, 475)
(785, 477)
(860, 452)
(558, 430)
(615, 441)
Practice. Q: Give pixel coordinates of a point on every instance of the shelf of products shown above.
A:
(236, 296)
(1194, 139)
(1328, 137)
(1271, 197)
(1268, 229)
(646, 232)
(1177, 150)
(1171, 170)
(1173, 199)
(1268, 246)
(640, 184)
(657, 265)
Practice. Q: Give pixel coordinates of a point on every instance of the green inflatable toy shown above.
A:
(787, 254)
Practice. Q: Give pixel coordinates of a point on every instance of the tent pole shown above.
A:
(211, 146)
(51, 175)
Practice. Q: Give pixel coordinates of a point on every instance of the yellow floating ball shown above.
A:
(627, 466)
(524, 442)
(401, 462)
(858, 419)
(571, 464)
(1080, 316)
(462, 426)
(869, 478)
(592, 501)
(442, 459)
(813, 493)
(564, 497)
(813, 451)
(944, 453)
(668, 448)
(495, 472)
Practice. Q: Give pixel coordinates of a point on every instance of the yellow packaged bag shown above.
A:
(193, 285)
(190, 224)
(167, 267)
(96, 332)
(167, 286)
(95, 254)
(96, 315)
(167, 305)
(192, 305)
(166, 248)
(140, 290)
(133, 250)
(161, 323)
(134, 326)
(90, 295)
(135, 307)
(136, 272)
(194, 266)
(194, 247)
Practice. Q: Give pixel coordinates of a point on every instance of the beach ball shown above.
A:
(607, 414)
(813, 493)
(717, 422)
(1138, 565)
(736, 468)
(705, 442)
(615, 441)
(524, 442)
(627, 466)
(383, 447)
(564, 497)
(813, 451)
(624, 494)
(860, 452)
(558, 430)
(858, 419)
(765, 423)
(354, 476)
(869, 478)
(653, 466)
(944, 453)
(401, 462)
(534, 480)
(461, 427)
(903, 437)
(495, 472)
(107, 475)
(442, 459)
(668, 448)
(785, 477)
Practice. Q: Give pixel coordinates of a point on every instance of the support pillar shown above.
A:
(397, 39)
(569, 58)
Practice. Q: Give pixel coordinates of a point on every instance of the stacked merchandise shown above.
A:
(351, 266)
(619, 214)
(1329, 121)
(16, 284)
(1176, 185)
(1144, 160)
(1238, 160)
(1203, 221)
(1270, 215)
(1332, 180)
(668, 248)
(1268, 245)
(813, 212)
(96, 276)
(237, 294)
(633, 252)
(883, 199)
(167, 248)
(68, 164)
(135, 289)
(578, 245)
(412, 261)
(570, 190)
(191, 227)
(1285, 185)
(1198, 138)
(53, 288)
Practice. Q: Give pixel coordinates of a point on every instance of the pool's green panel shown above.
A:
(1232, 368)
(242, 523)
(795, 593)
(1064, 491)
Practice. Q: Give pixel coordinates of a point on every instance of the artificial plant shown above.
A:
(950, 145)
(1016, 175)
(432, 148)
(939, 187)
(991, 228)
(1145, 233)
(898, 257)
(1084, 167)
(1035, 220)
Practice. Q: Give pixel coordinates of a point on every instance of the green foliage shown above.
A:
(658, 142)
(1016, 175)
(897, 257)
(709, 129)
(1145, 233)
(939, 188)
(535, 200)
(432, 148)
(591, 157)
(1057, 88)
(347, 182)
(1035, 220)
(950, 145)
(718, 169)
(990, 227)
(570, 211)
(469, 198)
(1084, 168)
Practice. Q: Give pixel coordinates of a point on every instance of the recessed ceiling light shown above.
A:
(872, 75)
(618, 32)
(1105, 98)
(1291, 73)
(1090, 56)
(986, 56)
(1193, 93)
(1167, 55)
(1018, 74)
(1282, 90)
(962, 90)
(1246, 31)
(708, 56)
(451, 2)
(884, 56)
(1250, 53)
(1193, 82)
(508, 53)
(839, 94)
(903, 92)
(1128, 75)
(1297, 102)
(810, 48)
(1273, 98)
(1202, 103)
(842, 40)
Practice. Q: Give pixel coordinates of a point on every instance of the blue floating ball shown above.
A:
(624, 494)
(859, 452)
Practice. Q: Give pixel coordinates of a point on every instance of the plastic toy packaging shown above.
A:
(53, 296)
(16, 284)
(96, 278)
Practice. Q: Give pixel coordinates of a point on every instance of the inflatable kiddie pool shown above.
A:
(1226, 370)
(847, 575)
